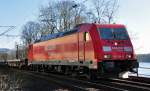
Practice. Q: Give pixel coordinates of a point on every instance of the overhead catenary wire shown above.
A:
(7, 35)
(7, 30)
(10, 28)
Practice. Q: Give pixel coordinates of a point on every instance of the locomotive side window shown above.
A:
(86, 36)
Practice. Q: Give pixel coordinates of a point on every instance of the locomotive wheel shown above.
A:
(67, 71)
(92, 74)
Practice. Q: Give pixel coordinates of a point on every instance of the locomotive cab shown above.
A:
(116, 53)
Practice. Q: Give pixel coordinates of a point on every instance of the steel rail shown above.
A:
(101, 84)
(82, 85)
(55, 80)
(130, 84)
(87, 83)
(139, 79)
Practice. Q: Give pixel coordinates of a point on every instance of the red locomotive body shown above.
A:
(88, 48)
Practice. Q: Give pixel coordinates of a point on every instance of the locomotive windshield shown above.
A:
(113, 33)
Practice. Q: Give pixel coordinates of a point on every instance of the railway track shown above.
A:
(65, 84)
(72, 83)
(76, 84)
(126, 83)
(139, 79)
(102, 84)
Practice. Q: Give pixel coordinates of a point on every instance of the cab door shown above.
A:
(83, 37)
(81, 47)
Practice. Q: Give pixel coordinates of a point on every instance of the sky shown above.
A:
(135, 14)
(17, 13)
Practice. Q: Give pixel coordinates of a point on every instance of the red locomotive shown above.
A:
(91, 49)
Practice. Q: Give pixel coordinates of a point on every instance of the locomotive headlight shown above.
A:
(127, 49)
(106, 48)
(107, 56)
(128, 56)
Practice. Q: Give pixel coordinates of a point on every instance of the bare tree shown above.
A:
(11, 55)
(110, 10)
(48, 19)
(3, 56)
(61, 16)
(79, 14)
(104, 10)
(30, 32)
